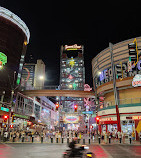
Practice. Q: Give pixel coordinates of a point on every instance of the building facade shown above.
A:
(14, 37)
(33, 75)
(72, 75)
(40, 109)
(127, 87)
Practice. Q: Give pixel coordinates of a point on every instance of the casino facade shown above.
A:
(128, 89)
(14, 37)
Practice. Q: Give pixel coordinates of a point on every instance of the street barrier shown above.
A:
(89, 141)
(109, 139)
(99, 139)
(56, 140)
(62, 140)
(130, 139)
(41, 139)
(67, 140)
(83, 141)
(120, 140)
(32, 139)
(51, 140)
(22, 139)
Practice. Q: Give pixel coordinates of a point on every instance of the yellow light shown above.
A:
(89, 155)
(25, 43)
(70, 86)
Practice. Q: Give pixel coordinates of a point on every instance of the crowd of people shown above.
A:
(115, 136)
(27, 135)
(46, 135)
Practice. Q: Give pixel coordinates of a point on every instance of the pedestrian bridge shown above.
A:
(53, 92)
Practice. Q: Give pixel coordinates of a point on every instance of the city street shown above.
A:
(56, 150)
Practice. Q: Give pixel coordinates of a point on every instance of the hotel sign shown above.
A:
(73, 47)
(136, 81)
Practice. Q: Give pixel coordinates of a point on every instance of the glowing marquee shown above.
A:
(73, 47)
(71, 119)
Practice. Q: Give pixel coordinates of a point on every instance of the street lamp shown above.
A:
(41, 77)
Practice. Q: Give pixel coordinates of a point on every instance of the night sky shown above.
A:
(94, 25)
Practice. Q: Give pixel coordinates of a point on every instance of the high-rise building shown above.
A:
(72, 74)
(33, 75)
(39, 77)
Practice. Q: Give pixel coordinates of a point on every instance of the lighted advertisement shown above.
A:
(136, 81)
(106, 75)
(71, 119)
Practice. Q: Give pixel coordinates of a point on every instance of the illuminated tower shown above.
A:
(72, 74)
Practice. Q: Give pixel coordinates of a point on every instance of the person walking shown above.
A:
(133, 136)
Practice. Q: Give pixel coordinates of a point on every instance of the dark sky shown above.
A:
(53, 23)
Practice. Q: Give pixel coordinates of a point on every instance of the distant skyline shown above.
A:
(53, 24)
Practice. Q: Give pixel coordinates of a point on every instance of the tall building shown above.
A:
(39, 77)
(72, 75)
(33, 75)
(14, 37)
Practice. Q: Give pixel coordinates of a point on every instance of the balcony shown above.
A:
(121, 102)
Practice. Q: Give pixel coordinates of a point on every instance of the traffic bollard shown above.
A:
(120, 140)
(51, 140)
(32, 139)
(130, 140)
(83, 141)
(68, 140)
(99, 140)
(62, 140)
(56, 140)
(22, 139)
(13, 139)
(89, 140)
(78, 141)
(109, 139)
(41, 139)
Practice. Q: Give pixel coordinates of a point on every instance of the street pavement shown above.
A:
(19, 150)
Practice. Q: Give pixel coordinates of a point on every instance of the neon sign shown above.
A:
(136, 81)
(3, 59)
(71, 119)
(73, 47)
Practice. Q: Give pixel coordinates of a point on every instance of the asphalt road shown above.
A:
(55, 151)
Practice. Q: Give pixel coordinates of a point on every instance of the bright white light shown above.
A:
(41, 77)
(99, 72)
(70, 86)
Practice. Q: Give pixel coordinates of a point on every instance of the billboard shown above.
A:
(71, 119)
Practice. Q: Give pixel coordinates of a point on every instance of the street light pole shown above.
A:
(114, 87)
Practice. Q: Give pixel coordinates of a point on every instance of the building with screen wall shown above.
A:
(129, 94)
(72, 75)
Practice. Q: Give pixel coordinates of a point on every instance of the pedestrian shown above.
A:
(5, 136)
(133, 136)
(105, 137)
(102, 137)
(123, 137)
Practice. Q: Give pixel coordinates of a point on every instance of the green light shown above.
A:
(4, 109)
(18, 81)
(3, 58)
(74, 85)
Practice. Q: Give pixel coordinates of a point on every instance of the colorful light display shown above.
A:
(3, 59)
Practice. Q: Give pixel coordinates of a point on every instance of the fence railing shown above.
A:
(122, 101)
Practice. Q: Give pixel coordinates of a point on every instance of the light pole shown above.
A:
(114, 87)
